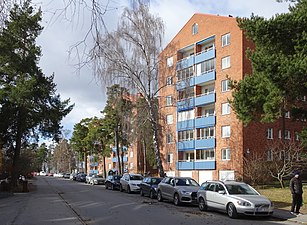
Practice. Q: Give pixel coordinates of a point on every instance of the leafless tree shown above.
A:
(285, 156)
(130, 56)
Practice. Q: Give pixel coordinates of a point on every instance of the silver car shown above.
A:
(130, 182)
(178, 190)
(234, 198)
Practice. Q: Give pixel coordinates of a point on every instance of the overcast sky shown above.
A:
(85, 92)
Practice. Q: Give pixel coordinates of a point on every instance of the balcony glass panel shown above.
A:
(204, 99)
(205, 55)
(205, 77)
(185, 145)
(205, 143)
(205, 121)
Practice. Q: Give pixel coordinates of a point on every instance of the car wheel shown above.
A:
(106, 186)
(159, 196)
(128, 189)
(92, 182)
(141, 192)
(202, 204)
(176, 199)
(151, 194)
(121, 188)
(232, 211)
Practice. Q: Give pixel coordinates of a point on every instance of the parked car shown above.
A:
(66, 175)
(42, 173)
(88, 177)
(178, 189)
(113, 182)
(96, 179)
(234, 198)
(130, 182)
(149, 186)
(81, 177)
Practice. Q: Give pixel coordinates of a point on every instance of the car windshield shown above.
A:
(186, 182)
(240, 189)
(135, 177)
(156, 180)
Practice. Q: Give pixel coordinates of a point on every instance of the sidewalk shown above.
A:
(42, 206)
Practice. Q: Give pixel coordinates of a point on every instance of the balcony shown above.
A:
(205, 77)
(185, 145)
(185, 62)
(205, 55)
(205, 143)
(207, 121)
(184, 125)
(195, 165)
(204, 99)
(185, 104)
(185, 83)
(125, 159)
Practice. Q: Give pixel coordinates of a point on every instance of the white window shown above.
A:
(169, 119)
(185, 115)
(225, 62)
(169, 138)
(279, 134)
(131, 165)
(205, 67)
(205, 133)
(225, 85)
(226, 39)
(269, 155)
(169, 61)
(186, 135)
(109, 166)
(195, 28)
(225, 131)
(170, 158)
(169, 80)
(188, 156)
(131, 154)
(227, 175)
(169, 100)
(226, 154)
(225, 108)
(287, 114)
(269, 133)
(287, 134)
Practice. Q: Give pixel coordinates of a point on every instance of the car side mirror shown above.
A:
(222, 192)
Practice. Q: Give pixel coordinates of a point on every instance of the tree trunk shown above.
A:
(104, 167)
(144, 152)
(85, 162)
(154, 127)
(117, 152)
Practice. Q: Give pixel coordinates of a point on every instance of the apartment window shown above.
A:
(287, 114)
(209, 154)
(185, 115)
(269, 133)
(225, 108)
(109, 166)
(169, 138)
(205, 112)
(287, 134)
(225, 85)
(169, 61)
(205, 66)
(185, 94)
(169, 100)
(205, 133)
(269, 155)
(169, 80)
(169, 119)
(226, 39)
(170, 158)
(186, 135)
(195, 28)
(189, 156)
(226, 154)
(131, 165)
(225, 131)
(225, 62)
(131, 154)
(185, 73)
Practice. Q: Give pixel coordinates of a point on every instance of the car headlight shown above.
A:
(186, 192)
(243, 203)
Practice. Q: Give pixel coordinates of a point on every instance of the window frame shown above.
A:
(226, 108)
(225, 64)
(194, 28)
(225, 85)
(226, 39)
(227, 134)
(226, 154)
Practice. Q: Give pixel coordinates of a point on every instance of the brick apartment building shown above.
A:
(202, 138)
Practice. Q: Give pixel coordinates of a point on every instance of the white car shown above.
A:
(234, 198)
(42, 173)
(130, 182)
(96, 179)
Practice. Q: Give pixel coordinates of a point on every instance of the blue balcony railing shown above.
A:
(185, 145)
(196, 165)
(204, 121)
(205, 77)
(205, 99)
(183, 125)
(205, 143)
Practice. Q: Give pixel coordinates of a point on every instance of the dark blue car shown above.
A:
(149, 186)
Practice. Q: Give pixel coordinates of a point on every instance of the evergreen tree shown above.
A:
(29, 105)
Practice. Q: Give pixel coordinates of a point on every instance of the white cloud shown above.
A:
(86, 92)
